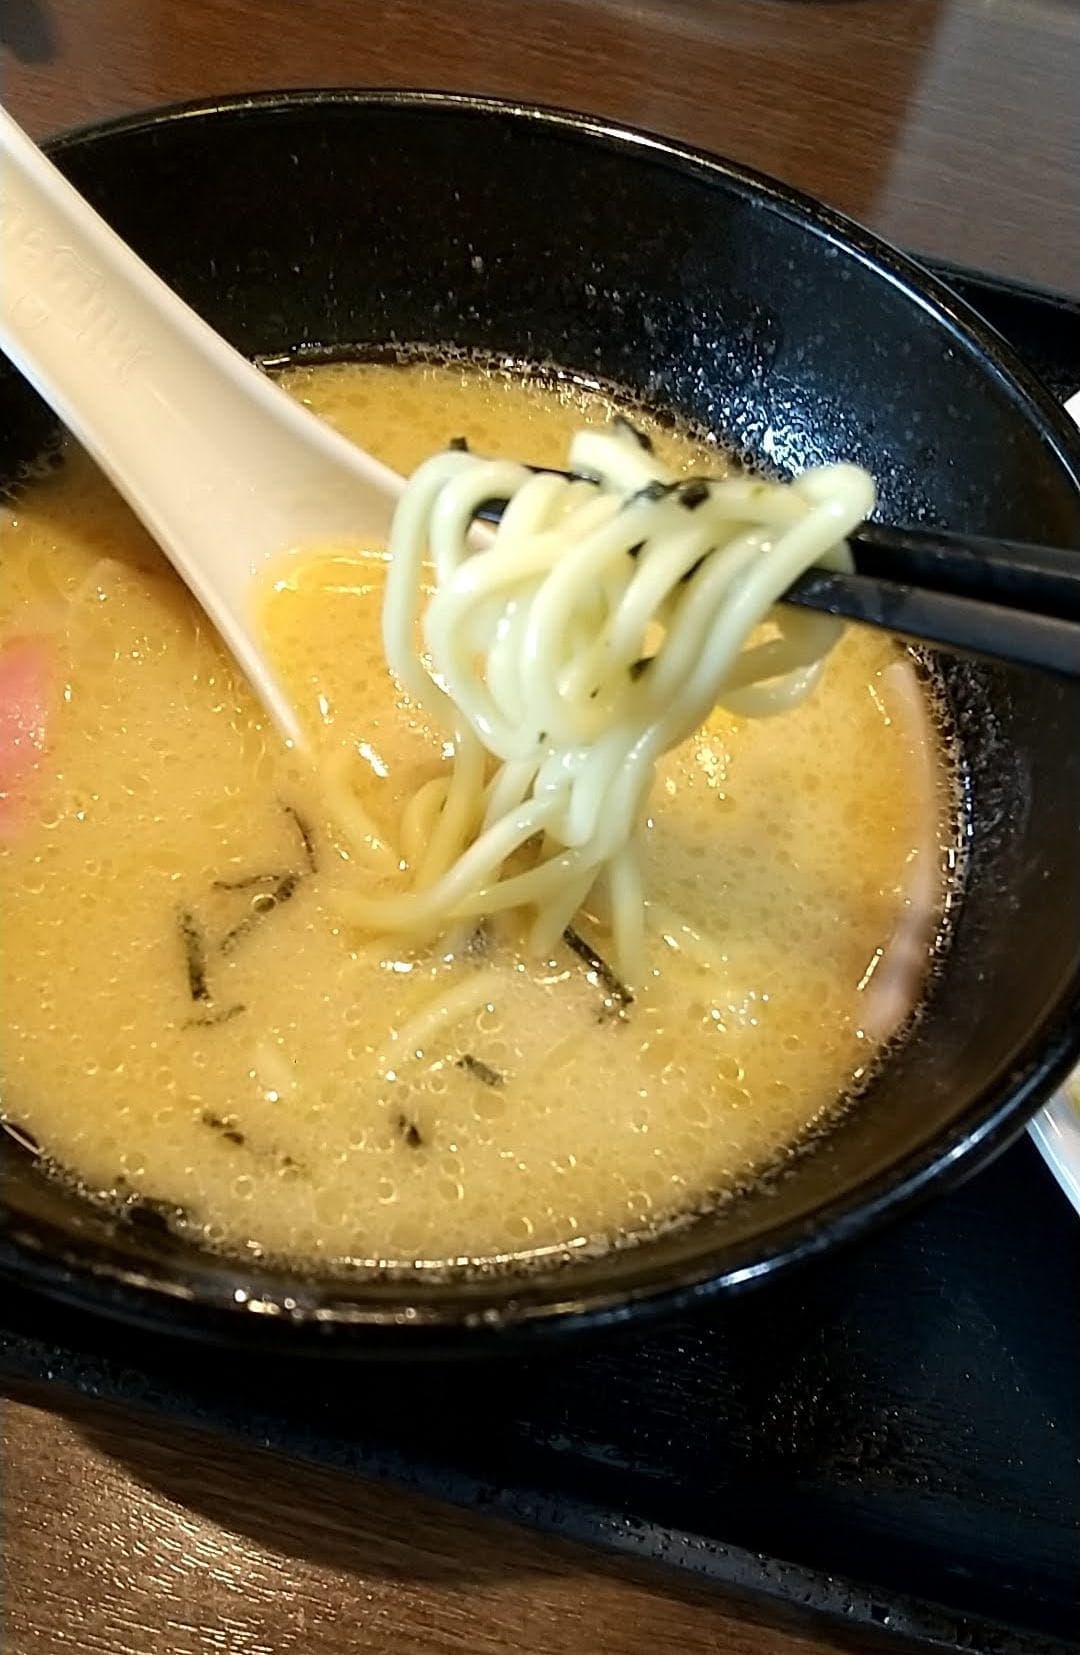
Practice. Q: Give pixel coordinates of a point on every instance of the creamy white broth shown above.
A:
(187, 1019)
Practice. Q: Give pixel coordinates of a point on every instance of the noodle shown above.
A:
(364, 838)
(438, 1015)
(596, 629)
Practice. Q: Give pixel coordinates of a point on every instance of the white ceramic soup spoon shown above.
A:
(225, 470)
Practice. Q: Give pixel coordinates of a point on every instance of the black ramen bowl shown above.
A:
(355, 219)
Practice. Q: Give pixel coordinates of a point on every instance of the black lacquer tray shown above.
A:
(888, 1440)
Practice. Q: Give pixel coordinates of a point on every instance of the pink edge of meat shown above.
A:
(26, 673)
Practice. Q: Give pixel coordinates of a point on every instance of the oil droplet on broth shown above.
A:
(786, 847)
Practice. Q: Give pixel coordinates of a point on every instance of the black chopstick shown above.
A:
(1022, 576)
(1004, 599)
(967, 624)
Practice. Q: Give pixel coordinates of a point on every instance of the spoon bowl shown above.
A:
(225, 470)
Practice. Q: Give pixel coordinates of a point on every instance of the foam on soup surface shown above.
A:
(187, 1019)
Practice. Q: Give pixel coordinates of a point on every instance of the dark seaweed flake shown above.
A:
(225, 1127)
(213, 1018)
(480, 1070)
(693, 494)
(194, 945)
(282, 891)
(652, 491)
(642, 438)
(595, 962)
(307, 837)
(410, 1132)
(247, 883)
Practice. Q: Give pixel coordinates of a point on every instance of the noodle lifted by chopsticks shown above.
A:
(605, 618)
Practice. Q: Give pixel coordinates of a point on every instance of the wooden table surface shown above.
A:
(952, 126)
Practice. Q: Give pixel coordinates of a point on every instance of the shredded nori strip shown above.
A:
(229, 1132)
(693, 493)
(595, 962)
(652, 491)
(282, 891)
(410, 1132)
(194, 955)
(458, 445)
(213, 1018)
(638, 667)
(246, 883)
(643, 440)
(307, 838)
(482, 1071)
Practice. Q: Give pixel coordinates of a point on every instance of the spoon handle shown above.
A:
(224, 469)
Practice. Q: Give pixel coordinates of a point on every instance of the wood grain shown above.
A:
(121, 1540)
(950, 125)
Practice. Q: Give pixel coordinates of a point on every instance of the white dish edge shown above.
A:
(1056, 1129)
(1056, 1132)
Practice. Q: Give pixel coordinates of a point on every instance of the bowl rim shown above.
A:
(324, 1312)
